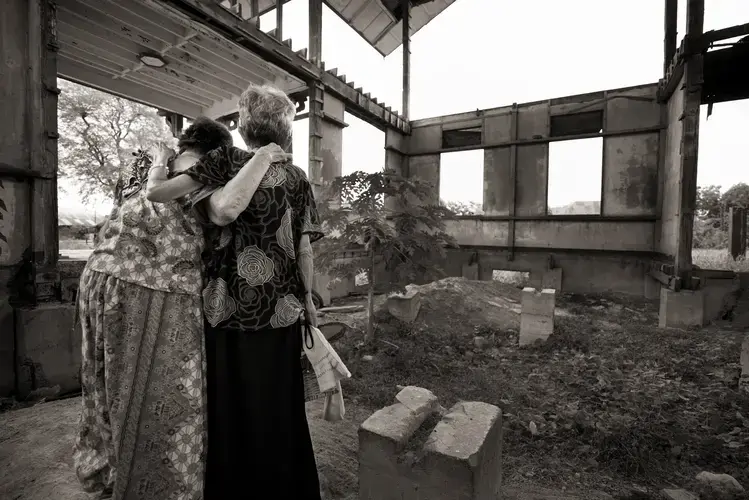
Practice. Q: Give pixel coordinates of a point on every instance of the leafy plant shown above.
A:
(386, 222)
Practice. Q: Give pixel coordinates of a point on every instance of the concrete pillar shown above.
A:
(332, 138)
(536, 315)
(28, 165)
(395, 159)
(681, 309)
(330, 135)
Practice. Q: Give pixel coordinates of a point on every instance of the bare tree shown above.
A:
(98, 134)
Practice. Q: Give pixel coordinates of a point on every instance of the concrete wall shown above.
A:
(515, 231)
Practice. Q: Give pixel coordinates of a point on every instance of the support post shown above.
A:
(670, 33)
(316, 99)
(406, 33)
(279, 20)
(693, 68)
(737, 232)
(314, 49)
(42, 123)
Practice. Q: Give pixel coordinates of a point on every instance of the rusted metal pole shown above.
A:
(670, 27)
(279, 20)
(406, 33)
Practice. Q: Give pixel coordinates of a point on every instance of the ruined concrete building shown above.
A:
(191, 57)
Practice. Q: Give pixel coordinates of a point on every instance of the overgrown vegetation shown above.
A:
(711, 220)
(614, 401)
(382, 221)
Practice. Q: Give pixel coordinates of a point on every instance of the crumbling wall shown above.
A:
(460, 460)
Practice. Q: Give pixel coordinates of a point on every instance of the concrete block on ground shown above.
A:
(405, 306)
(464, 454)
(460, 460)
(536, 315)
(681, 309)
(552, 278)
(652, 288)
(383, 436)
(48, 348)
(721, 296)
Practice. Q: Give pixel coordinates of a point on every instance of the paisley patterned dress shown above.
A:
(141, 433)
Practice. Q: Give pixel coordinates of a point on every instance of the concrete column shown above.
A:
(331, 166)
(395, 158)
(28, 166)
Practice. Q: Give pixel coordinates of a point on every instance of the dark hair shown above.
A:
(204, 135)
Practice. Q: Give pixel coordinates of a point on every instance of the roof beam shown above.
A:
(84, 75)
(277, 53)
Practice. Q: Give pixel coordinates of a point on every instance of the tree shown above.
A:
(736, 196)
(98, 133)
(407, 239)
(709, 202)
(461, 208)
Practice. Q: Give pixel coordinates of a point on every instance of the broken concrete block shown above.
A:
(719, 486)
(681, 309)
(405, 306)
(384, 435)
(48, 348)
(464, 453)
(461, 459)
(536, 315)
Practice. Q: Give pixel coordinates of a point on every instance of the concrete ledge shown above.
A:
(461, 459)
(681, 309)
(406, 306)
(48, 352)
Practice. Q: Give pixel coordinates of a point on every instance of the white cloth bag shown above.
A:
(329, 370)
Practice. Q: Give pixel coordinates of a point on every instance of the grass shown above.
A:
(615, 401)
(719, 259)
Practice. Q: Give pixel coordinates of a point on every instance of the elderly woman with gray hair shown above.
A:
(259, 271)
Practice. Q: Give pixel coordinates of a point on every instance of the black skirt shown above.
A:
(259, 443)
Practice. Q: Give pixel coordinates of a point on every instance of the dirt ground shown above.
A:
(36, 452)
(609, 404)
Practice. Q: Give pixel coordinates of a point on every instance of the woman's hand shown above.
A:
(275, 153)
(161, 154)
(310, 312)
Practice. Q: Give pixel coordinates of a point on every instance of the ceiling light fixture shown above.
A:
(152, 59)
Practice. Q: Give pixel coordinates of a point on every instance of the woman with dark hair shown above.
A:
(142, 428)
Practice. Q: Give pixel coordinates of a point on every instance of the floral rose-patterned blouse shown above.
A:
(155, 245)
(253, 280)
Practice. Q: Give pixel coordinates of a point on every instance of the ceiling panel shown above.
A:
(100, 41)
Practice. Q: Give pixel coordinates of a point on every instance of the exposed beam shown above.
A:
(315, 32)
(279, 20)
(79, 73)
(230, 27)
(724, 34)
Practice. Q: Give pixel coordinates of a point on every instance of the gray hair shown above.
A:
(266, 114)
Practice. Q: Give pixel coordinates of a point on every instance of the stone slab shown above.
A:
(48, 348)
(682, 309)
(405, 306)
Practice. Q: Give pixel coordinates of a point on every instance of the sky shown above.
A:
(487, 53)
